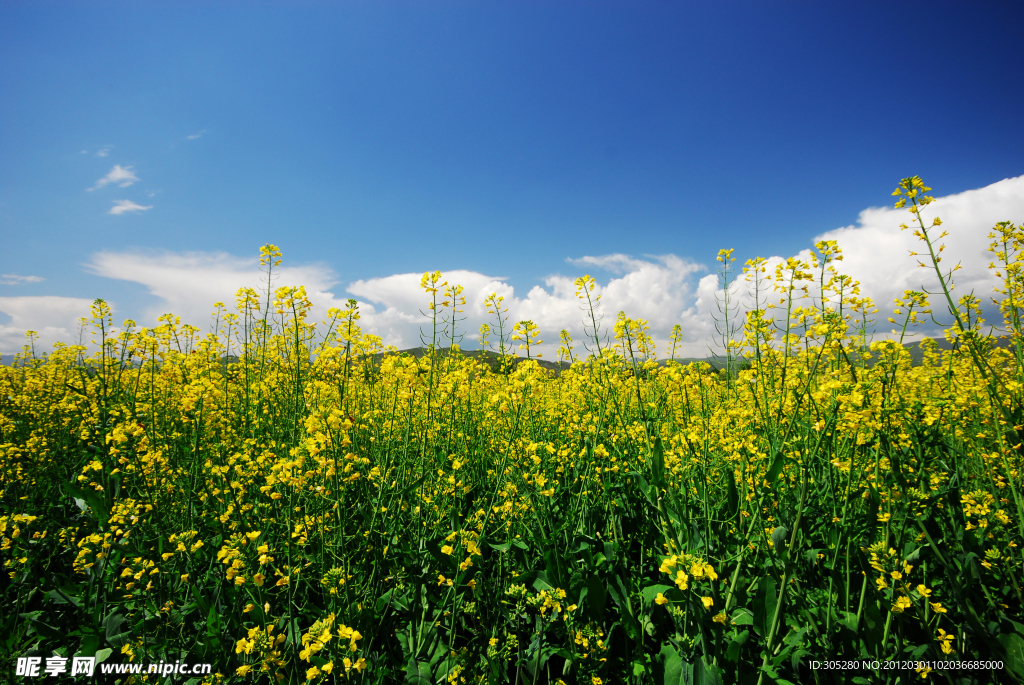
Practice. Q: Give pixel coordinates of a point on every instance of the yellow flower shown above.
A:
(923, 591)
(660, 599)
(447, 549)
(707, 602)
(902, 604)
(258, 579)
(328, 667)
(720, 617)
(681, 579)
(938, 608)
(945, 641)
(243, 670)
(312, 673)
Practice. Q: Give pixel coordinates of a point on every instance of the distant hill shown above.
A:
(716, 361)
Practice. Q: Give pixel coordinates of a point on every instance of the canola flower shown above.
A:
(292, 501)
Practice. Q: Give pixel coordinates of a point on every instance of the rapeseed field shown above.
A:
(291, 502)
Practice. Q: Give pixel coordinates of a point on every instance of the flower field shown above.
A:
(292, 503)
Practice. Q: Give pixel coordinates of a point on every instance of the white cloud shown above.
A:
(15, 279)
(122, 206)
(196, 136)
(54, 318)
(103, 151)
(665, 290)
(122, 176)
(658, 289)
(188, 283)
(876, 251)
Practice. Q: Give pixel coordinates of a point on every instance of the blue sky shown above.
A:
(370, 140)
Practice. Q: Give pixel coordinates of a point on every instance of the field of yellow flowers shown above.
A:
(294, 504)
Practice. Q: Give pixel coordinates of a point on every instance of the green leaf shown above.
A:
(650, 593)
(735, 648)
(1014, 646)
(742, 617)
(705, 673)
(732, 502)
(597, 597)
(671, 667)
(96, 501)
(778, 461)
(113, 623)
(779, 539)
(383, 602)
(58, 597)
(675, 671)
(418, 673)
(848, 619)
(555, 566)
(658, 463)
(765, 602)
(213, 623)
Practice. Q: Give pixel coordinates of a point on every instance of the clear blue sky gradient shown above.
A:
(380, 138)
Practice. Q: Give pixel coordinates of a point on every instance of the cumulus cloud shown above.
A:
(15, 279)
(877, 253)
(667, 290)
(188, 283)
(659, 289)
(663, 289)
(122, 206)
(122, 176)
(54, 318)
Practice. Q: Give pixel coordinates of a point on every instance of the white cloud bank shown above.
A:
(188, 283)
(663, 289)
(124, 206)
(54, 318)
(877, 253)
(122, 176)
